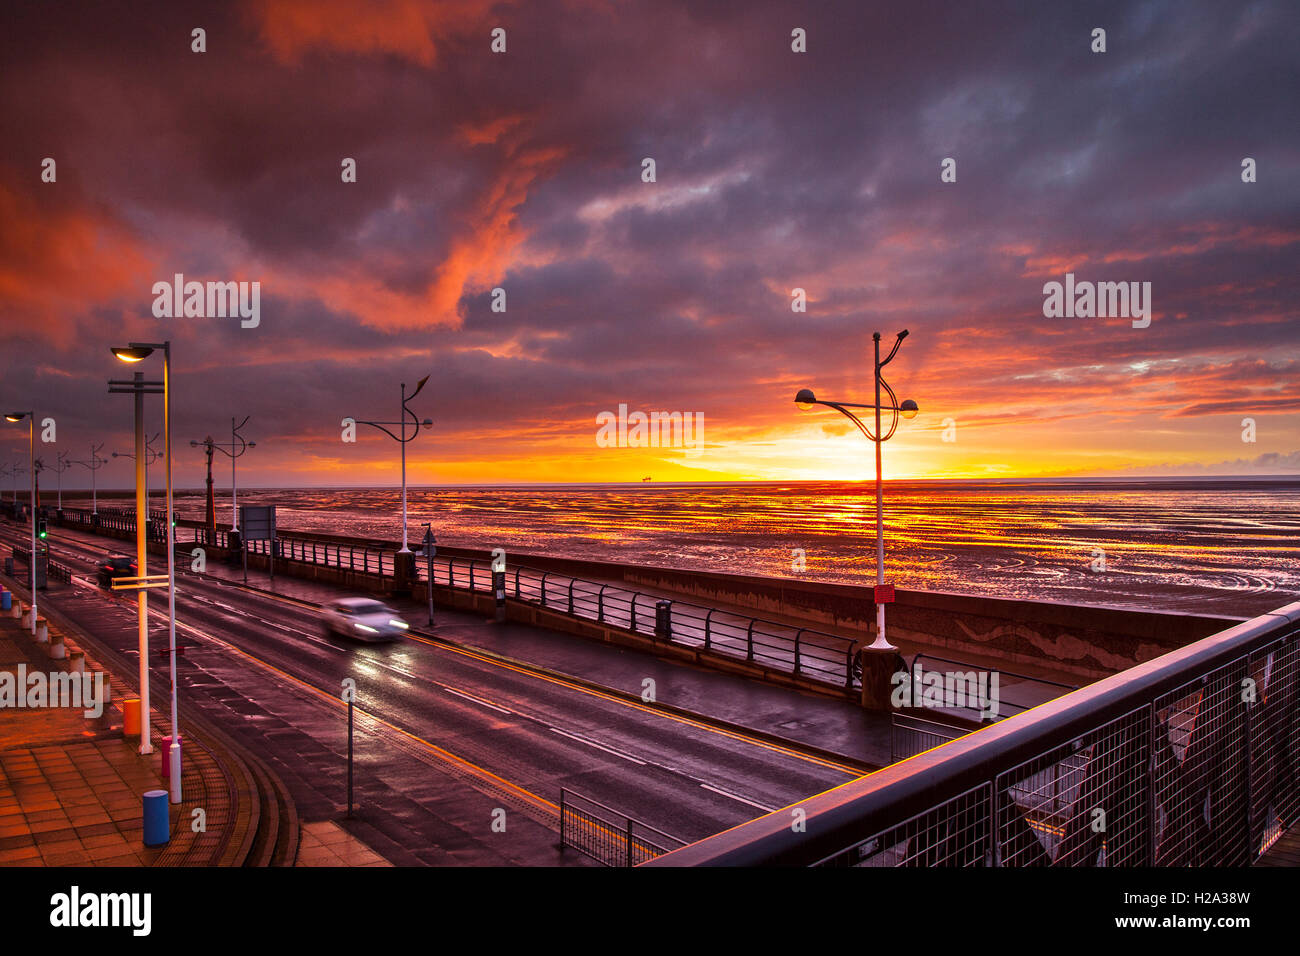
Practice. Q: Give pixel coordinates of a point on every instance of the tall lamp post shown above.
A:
(151, 455)
(94, 463)
(31, 441)
(13, 472)
(61, 464)
(232, 451)
(138, 352)
(805, 400)
(402, 440)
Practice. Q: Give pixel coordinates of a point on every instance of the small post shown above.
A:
(561, 819)
(430, 548)
(350, 706)
(499, 590)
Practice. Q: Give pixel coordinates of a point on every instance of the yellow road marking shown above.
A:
(338, 702)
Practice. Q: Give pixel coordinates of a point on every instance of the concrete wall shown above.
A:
(1083, 641)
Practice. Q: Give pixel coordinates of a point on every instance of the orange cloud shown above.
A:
(410, 29)
(56, 263)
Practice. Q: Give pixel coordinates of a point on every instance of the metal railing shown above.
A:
(1190, 759)
(808, 653)
(1037, 689)
(607, 836)
(344, 557)
(801, 651)
(909, 735)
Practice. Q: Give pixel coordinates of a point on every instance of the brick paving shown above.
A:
(71, 786)
(325, 843)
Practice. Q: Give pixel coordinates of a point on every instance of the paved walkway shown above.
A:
(71, 786)
(325, 843)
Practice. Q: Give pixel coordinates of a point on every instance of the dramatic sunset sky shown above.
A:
(775, 170)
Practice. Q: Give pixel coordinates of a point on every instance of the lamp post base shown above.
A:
(403, 572)
(878, 669)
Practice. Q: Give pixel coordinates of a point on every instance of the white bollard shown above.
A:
(27, 616)
(42, 631)
(57, 648)
(16, 609)
(77, 662)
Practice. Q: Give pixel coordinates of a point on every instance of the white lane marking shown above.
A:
(477, 700)
(592, 743)
(725, 793)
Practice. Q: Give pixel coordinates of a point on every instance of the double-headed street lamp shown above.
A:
(94, 463)
(61, 464)
(31, 441)
(13, 471)
(906, 409)
(151, 455)
(402, 440)
(232, 451)
(138, 352)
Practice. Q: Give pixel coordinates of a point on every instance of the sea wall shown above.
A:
(1085, 642)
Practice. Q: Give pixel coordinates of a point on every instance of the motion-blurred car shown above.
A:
(115, 566)
(363, 619)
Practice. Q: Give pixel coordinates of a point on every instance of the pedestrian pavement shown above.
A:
(72, 787)
(325, 843)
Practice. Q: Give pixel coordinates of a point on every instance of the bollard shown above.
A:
(6, 600)
(16, 609)
(43, 631)
(166, 754)
(664, 620)
(58, 650)
(27, 616)
(157, 824)
(77, 662)
(131, 717)
(499, 590)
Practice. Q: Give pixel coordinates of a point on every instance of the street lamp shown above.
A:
(150, 456)
(13, 471)
(236, 442)
(402, 440)
(31, 441)
(94, 464)
(132, 353)
(805, 400)
(61, 464)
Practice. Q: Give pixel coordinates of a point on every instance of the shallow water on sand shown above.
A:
(1222, 546)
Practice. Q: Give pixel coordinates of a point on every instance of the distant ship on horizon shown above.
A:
(646, 478)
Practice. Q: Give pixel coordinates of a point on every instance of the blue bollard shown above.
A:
(157, 825)
(6, 601)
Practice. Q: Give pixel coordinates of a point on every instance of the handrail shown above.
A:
(840, 819)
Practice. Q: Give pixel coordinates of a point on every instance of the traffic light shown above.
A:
(41, 532)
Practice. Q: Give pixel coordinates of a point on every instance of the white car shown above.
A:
(364, 619)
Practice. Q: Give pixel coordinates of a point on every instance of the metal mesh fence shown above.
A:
(1203, 774)
(607, 836)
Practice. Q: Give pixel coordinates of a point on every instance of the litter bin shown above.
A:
(664, 620)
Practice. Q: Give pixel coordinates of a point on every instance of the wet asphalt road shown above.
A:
(446, 738)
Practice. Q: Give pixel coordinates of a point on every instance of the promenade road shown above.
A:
(446, 735)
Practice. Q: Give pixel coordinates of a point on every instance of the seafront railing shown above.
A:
(800, 651)
(1190, 759)
(803, 652)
